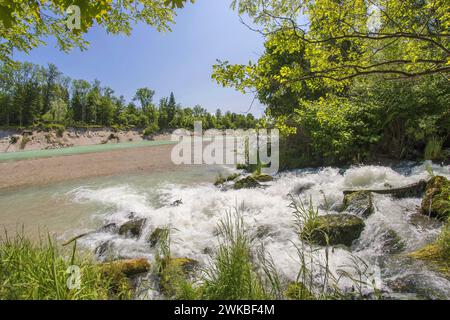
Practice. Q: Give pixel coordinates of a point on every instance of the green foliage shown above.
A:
(438, 252)
(39, 271)
(355, 80)
(31, 95)
(339, 130)
(347, 39)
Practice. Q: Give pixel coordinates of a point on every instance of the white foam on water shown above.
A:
(194, 222)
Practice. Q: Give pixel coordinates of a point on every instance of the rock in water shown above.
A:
(302, 188)
(104, 250)
(132, 228)
(359, 203)
(246, 183)
(436, 202)
(173, 269)
(263, 178)
(336, 228)
(177, 203)
(129, 267)
(392, 243)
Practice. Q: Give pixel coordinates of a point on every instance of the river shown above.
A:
(71, 208)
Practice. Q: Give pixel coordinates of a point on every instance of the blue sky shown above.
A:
(180, 61)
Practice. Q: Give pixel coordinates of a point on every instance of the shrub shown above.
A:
(151, 130)
(232, 276)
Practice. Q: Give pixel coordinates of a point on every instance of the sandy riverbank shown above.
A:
(20, 140)
(58, 169)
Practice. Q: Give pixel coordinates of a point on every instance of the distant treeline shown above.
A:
(33, 95)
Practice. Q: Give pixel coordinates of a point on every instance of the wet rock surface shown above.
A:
(246, 183)
(132, 228)
(359, 203)
(335, 229)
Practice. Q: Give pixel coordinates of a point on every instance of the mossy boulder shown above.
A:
(392, 243)
(298, 291)
(359, 203)
(128, 267)
(221, 180)
(263, 178)
(156, 236)
(246, 183)
(436, 201)
(334, 229)
(173, 272)
(132, 228)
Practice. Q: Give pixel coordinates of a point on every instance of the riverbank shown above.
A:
(13, 140)
(79, 166)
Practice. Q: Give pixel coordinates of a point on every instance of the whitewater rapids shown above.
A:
(194, 222)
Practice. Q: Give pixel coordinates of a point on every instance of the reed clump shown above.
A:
(42, 271)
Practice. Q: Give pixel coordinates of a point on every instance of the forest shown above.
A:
(37, 96)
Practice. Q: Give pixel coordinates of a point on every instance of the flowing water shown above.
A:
(73, 208)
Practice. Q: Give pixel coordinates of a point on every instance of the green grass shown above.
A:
(306, 217)
(232, 275)
(438, 252)
(39, 271)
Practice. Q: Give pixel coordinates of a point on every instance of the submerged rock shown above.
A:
(132, 228)
(156, 236)
(301, 188)
(418, 285)
(436, 202)
(359, 203)
(392, 243)
(262, 231)
(177, 203)
(246, 183)
(334, 229)
(104, 250)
